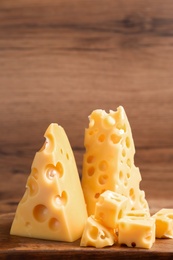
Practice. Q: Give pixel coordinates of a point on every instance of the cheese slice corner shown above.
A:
(53, 205)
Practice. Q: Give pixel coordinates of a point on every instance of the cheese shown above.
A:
(136, 232)
(108, 162)
(164, 223)
(97, 235)
(110, 207)
(53, 205)
(138, 213)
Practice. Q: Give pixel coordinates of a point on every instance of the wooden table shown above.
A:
(59, 60)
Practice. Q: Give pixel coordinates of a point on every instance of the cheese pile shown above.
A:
(106, 207)
(111, 186)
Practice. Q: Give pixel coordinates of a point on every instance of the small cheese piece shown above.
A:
(164, 223)
(136, 232)
(97, 235)
(110, 207)
(108, 162)
(53, 205)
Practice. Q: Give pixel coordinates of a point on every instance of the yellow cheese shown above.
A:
(136, 232)
(108, 162)
(138, 213)
(110, 207)
(164, 223)
(53, 205)
(97, 235)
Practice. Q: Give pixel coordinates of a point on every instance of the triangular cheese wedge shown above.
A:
(109, 160)
(53, 205)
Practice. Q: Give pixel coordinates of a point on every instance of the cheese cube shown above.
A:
(53, 205)
(110, 208)
(164, 223)
(97, 235)
(136, 232)
(108, 162)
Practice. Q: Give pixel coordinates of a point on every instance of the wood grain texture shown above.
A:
(18, 247)
(59, 60)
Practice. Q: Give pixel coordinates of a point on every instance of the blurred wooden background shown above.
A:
(59, 60)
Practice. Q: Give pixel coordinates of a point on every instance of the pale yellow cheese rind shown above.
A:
(53, 206)
(164, 223)
(108, 162)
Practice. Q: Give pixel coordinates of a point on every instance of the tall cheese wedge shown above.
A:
(108, 162)
(53, 205)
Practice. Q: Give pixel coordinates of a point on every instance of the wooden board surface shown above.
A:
(59, 60)
(15, 247)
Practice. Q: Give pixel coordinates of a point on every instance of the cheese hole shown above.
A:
(123, 152)
(125, 182)
(120, 214)
(128, 175)
(61, 151)
(40, 213)
(90, 159)
(67, 156)
(59, 169)
(97, 195)
(54, 224)
(33, 186)
(91, 132)
(127, 142)
(94, 232)
(91, 171)
(121, 175)
(53, 171)
(103, 179)
(101, 138)
(34, 173)
(103, 166)
(61, 200)
(48, 145)
(103, 236)
(122, 127)
(132, 194)
(148, 235)
(115, 138)
(129, 162)
(159, 214)
(170, 216)
(109, 121)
